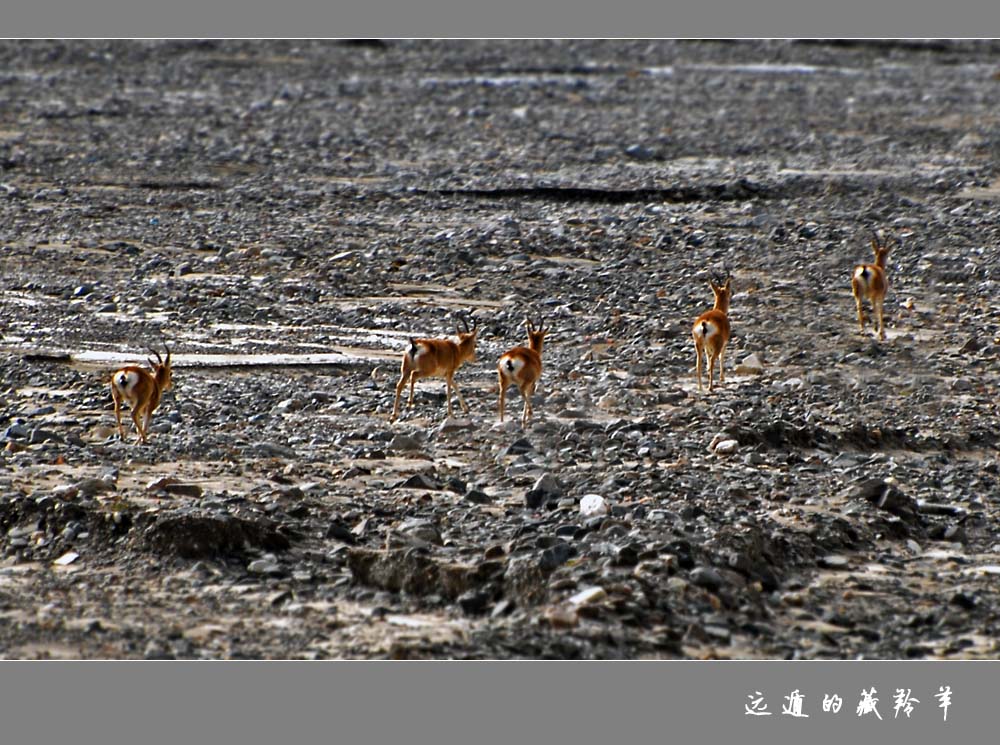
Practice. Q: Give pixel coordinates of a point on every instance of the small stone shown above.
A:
(477, 496)
(16, 432)
(592, 505)
(706, 577)
(502, 608)
(402, 443)
(751, 365)
(518, 447)
(588, 596)
(266, 566)
(718, 633)
(67, 558)
(43, 435)
(290, 404)
(451, 424)
(834, 561)
(277, 598)
(548, 484)
(92, 486)
(422, 530)
(419, 481)
(272, 450)
(556, 556)
(338, 531)
(640, 152)
(185, 490)
(963, 600)
(726, 447)
(932, 508)
(474, 602)
(809, 230)
(559, 617)
(545, 490)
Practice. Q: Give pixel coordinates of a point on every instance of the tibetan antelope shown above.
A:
(436, 358)
(142, 389)
(522, 366)
(711, 333)
(870, 281)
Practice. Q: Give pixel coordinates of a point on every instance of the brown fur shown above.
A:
(869, 281)
(715, 345)
(435, 358)
(145, 395)
(527, 377)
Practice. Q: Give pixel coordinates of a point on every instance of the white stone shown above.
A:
(588, 595)
(791, 384)
(67, 558)
(751, 365)
(592, 505)
(726, 447)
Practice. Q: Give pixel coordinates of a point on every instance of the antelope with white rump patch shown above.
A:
(436, 358)
(869, 282)
(522, 366)
(711, 333)
(142, 389)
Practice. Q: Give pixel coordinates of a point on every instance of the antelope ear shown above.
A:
(728, 282)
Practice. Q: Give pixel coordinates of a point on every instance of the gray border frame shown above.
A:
(488, 702)
(510, 18)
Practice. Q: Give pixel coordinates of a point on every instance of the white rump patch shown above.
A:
(700, 332)
(511, 366)
(126, 381)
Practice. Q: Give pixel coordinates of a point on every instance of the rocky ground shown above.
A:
(285, 214)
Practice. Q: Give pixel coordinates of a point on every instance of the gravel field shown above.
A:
(286, 215)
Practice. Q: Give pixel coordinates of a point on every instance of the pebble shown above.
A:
(403, 442)
(559, 617)
(726, 447)
(588, 595)
(477, 496)
(834, 561)
(267, 565)
(592, 505)
(67, 558)
(750, 365)
(640, 152)
(706, 577)
(555, 556)
(451, 424)
(92, 486)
